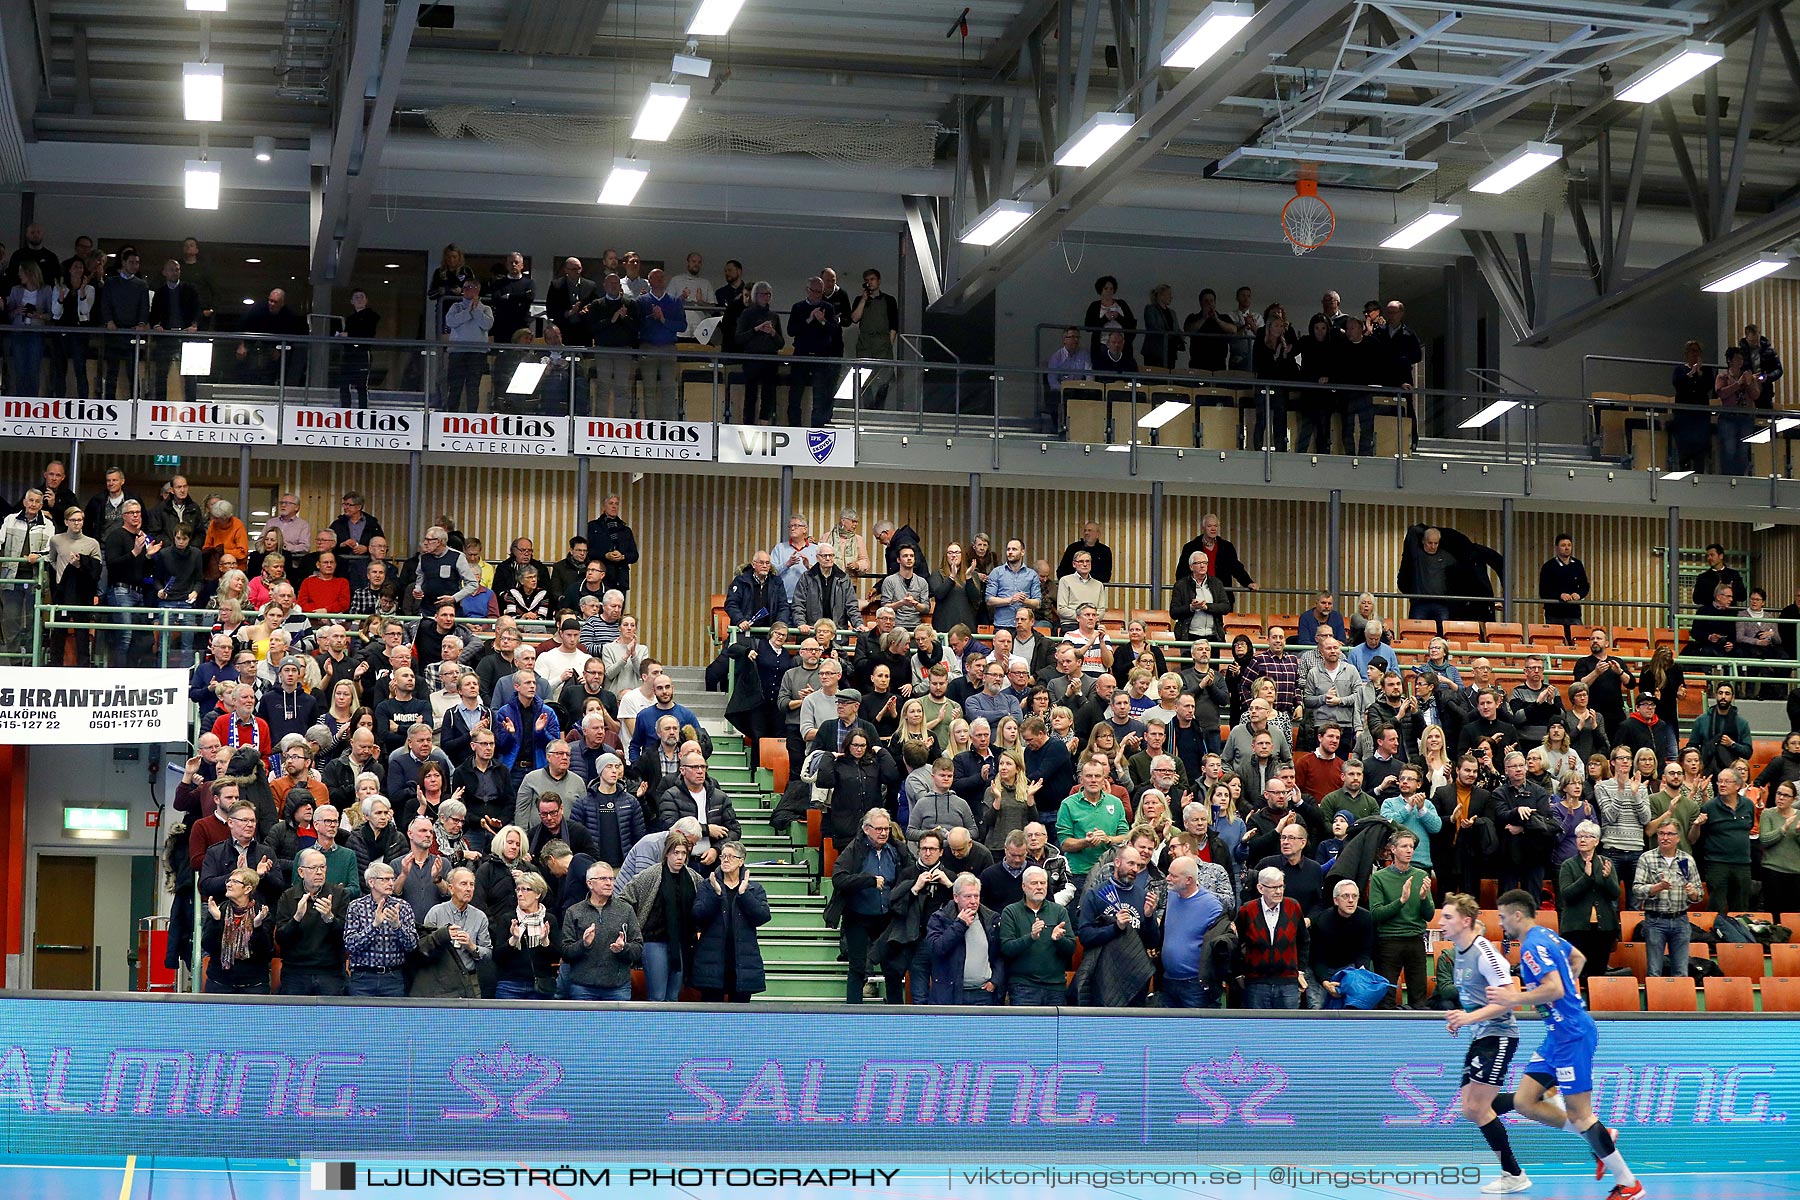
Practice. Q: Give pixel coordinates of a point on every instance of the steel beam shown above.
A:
(1714, 166)
(380, 119)
(1634, 189)
(925, 245)
(1665, 109)
(1026, 28)
(1606, 209)
(360, 66)
(1767, 230)
(1527, 289)
(1546, 257)
(1740, 150)
(1275, 29)
(1584, 237)
(1490, 260)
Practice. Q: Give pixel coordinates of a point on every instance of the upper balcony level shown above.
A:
(923, 420)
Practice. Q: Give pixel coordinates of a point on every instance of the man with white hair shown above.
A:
(1037, 942)
(341, 870)
(309, 928)
(1191, 913)
(1342, 935)
(380, 930)
(1271, 947)
(440, 571)
(963, 937)
(453, 940)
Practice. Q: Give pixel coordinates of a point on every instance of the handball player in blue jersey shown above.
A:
(1548, 969)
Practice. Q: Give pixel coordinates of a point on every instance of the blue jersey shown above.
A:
(1541, 955)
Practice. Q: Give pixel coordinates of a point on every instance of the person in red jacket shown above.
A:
(238, 725)
(325, 591)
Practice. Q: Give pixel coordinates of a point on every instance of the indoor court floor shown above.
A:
(145, 1178)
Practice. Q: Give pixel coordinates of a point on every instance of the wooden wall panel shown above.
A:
(1773, 306)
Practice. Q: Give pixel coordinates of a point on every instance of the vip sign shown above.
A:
(787, 446)
(668, 441)
(352, 428)
(237, 424)
(498, 433)
(89, 420)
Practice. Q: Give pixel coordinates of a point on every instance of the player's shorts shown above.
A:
(1566, 1061)
(1488, 1060)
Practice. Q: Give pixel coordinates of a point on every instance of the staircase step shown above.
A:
(816, 986)
(818, 955)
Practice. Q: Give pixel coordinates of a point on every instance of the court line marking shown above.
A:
(130, 1174)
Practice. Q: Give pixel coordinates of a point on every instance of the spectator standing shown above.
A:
(1162, 343)
(124, 304)
(1272, 945)
(601, 940)
(1107, 312)
(1222, 562)
(814, 328)
(1761, 360)
(1342, 936)
(1587, 894)
(380, 930)
(1665, 887)
(238, 937)
(1068, 361)
(1400, 903)
(728, 908)
(1721, 831)
(1037, 942)
(862, 882)
(1738, 392)
(1563, 585)
(661, 318)
(467, 323)
(1690, 430)
(1607, 680)
(611, 542)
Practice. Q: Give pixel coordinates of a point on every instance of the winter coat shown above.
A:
(747, 598)
(728, 922)
(816, 597)
(855, 789)
(674, 803)
(944, 935)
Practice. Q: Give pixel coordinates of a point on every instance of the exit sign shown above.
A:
(167, 460)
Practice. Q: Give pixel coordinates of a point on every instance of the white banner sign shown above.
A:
(219, 424)
(672, 441)
(77, 705)
(498, 433)
(43, 416)
(787, 446)
(352, 428)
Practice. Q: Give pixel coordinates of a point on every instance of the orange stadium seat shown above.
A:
(1669, 995)
(1467, 630)
(1784, 957)
(1730, 994)
(1740, 958)
(1548, 635)
(1508, 631)
(1411, 628)
(1613, 993)
(1781, 994)
(1632, 955)
(772, 753)
(1792, 921)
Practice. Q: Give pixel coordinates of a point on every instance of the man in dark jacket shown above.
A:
(920, 890)
(611, 541)
(1222, 560)
(174, 307)
(124, 304)
(243, 849)
(1721, 734)
(863, 882)
(309, 928)
(611, 815)
(696, 794)
(964, 939)
(825, 591)
(1526, 827)
(756, 596)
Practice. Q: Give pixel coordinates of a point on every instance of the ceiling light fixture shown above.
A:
(263, 147)
(663, 106)
(689, 64)
(623, 182)
(1434, 218)
(203, 91)
(209, 6)
(1490, 414)
(525, 379)
(1758, 267)
(1163, 413)
(196, 358)
(391, 266)
(1516, 168)
(1676, 476)
(202, 180)
(1101, 133)
(1670, 72)
(1000, 219)
(714, 17)
(852, 382)
(1216, 25)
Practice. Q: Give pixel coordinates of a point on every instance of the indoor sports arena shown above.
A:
(765, 598)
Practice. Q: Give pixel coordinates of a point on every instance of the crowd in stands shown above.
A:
(1378, 352)
(53, 305)
(441, 775)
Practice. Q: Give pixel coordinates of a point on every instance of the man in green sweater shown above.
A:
(1036, 942)
(1400, 901)
(1351, 797)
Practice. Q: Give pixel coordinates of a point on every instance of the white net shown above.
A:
(1308, 222)
(852, 143)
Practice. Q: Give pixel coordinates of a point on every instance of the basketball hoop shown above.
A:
(1306, 220)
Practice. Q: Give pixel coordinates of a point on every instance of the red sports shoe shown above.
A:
(1621, 1192)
